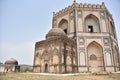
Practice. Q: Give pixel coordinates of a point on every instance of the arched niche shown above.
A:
(37, 58)
(82, 59)
(63, 24)
(55, 59)
(108, 59)
(45, 55)
(68, 60)
(95, 56)
(116, 54)
(96, 48)
(55, 51)
(112, 29)
(92, 24)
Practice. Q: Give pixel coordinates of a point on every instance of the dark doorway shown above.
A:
(90, 28)
(7, 70)
(65, 30)
(46, 67)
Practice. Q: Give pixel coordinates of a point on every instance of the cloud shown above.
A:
(23, 52)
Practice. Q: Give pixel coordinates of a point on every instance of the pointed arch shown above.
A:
(108, 59)
(45, 55)
(49, 48)
(55, 59)
(37, 58)
(116, 55)
(95, 46)
(112, 29)
(92, 23)
(95, 56)
(46, 68)
(82, 59)
(55, 56)
(63, 24)
(55, 51)
(69, 60)
(95, 43)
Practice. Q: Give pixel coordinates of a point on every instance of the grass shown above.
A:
(20, 76)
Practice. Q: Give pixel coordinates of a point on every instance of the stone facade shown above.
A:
(56, 54)
(11, 65)
(92, 28)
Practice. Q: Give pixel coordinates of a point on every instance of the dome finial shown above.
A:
(74, 1)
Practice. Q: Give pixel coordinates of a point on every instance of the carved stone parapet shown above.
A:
(85, 5)
(93, 6)
(76, 5)
(81, 5)
(89, 5)
(98, 6)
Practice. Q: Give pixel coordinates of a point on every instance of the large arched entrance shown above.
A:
(95, 57)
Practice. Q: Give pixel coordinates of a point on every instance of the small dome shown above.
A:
(11, 61)
(55, 32)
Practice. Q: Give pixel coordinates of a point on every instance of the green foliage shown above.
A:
(26, 68)
(1, 63)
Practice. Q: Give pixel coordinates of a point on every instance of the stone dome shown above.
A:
(11, 61)
(55, 32)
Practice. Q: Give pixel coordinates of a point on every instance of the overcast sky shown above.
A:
(24, 22)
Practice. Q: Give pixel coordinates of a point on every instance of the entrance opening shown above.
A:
(7, 70)
(90, 28)
(65, 30)
(46, 67)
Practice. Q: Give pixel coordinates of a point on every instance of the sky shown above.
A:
(24, 22)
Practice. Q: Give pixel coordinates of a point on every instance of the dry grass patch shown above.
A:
(20, 76)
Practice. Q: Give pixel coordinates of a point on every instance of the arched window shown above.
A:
(92, 24)
(93, 57)
(63, 24)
